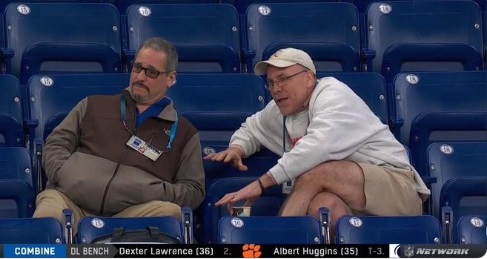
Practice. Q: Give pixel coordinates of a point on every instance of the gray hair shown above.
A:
(162, 45)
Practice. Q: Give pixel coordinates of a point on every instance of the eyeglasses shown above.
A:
(150, 72)
(282, 81)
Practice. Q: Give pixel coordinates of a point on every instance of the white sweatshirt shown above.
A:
(338, 125)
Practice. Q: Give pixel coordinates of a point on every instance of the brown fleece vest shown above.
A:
(103, 134)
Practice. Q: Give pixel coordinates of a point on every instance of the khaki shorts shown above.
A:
(389, 191)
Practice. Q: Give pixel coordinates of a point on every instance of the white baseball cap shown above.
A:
(285, 58)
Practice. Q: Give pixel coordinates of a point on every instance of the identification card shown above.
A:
(287, 187)
(144, 148)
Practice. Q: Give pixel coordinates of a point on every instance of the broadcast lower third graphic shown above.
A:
(251, 251)
(437, 251)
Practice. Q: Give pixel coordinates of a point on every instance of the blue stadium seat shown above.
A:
(461, 196)
(207, 222)
(363, 4)
(123, 5)
(62, 37)
(5, 3)
(329, 32)
(11, 118)
(100, 230)
(455, 126)
(31, 231)
(217, 103)
(17, 192)
(424, 36)
(242, 5)
(429, 106)
(472, 229)
(450, 160)
(51, 98)
(371, 87)
(205, 35)
(257, 164)
(484, 19)
(269, 230)
(424, 229)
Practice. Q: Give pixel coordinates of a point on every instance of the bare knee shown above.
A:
(336, 205)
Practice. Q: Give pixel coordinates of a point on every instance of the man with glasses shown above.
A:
(334, 148)
(127, 155)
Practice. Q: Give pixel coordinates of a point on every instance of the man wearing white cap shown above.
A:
(337, 150)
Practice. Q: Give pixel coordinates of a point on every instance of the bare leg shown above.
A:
(336, 206)
(344, 179)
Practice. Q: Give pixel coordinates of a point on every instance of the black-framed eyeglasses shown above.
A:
(150, 72)
(282, 81)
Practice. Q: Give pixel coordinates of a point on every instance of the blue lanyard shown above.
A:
(174, 127)
(284, 134)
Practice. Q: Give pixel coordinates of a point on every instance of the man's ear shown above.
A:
(310, 76)
(172, 79)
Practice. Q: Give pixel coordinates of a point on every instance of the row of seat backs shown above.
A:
(111, 43)
(416, 95)
(240, 5)
(99, 42)
(35, 38)
(255, 230)
(92, 229)
(424, 229)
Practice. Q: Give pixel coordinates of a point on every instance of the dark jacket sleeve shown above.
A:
(63, 141)
(188, 188)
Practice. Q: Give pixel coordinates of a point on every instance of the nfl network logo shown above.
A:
(398, 251)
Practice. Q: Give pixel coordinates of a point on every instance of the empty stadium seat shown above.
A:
(369, 86)
(484, 19)
(424, 36)
(31, 231)
(51, 98)
(242, 5)
(5, 3)
(62, 37)
(472, 229)
(17, 192)
(257, 164)
(328, 32)
(103, 230)
(461, 196)
(455, 126)
(423, 229)
(207, 220)
(122, 5)
(11, 118)
(438, 106)
(216, 104)
(269, 230)
(206, 35)
(451, 160)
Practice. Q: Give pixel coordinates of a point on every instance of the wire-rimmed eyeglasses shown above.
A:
(282, 81)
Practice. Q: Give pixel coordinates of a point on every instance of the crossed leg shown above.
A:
(337, 185)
